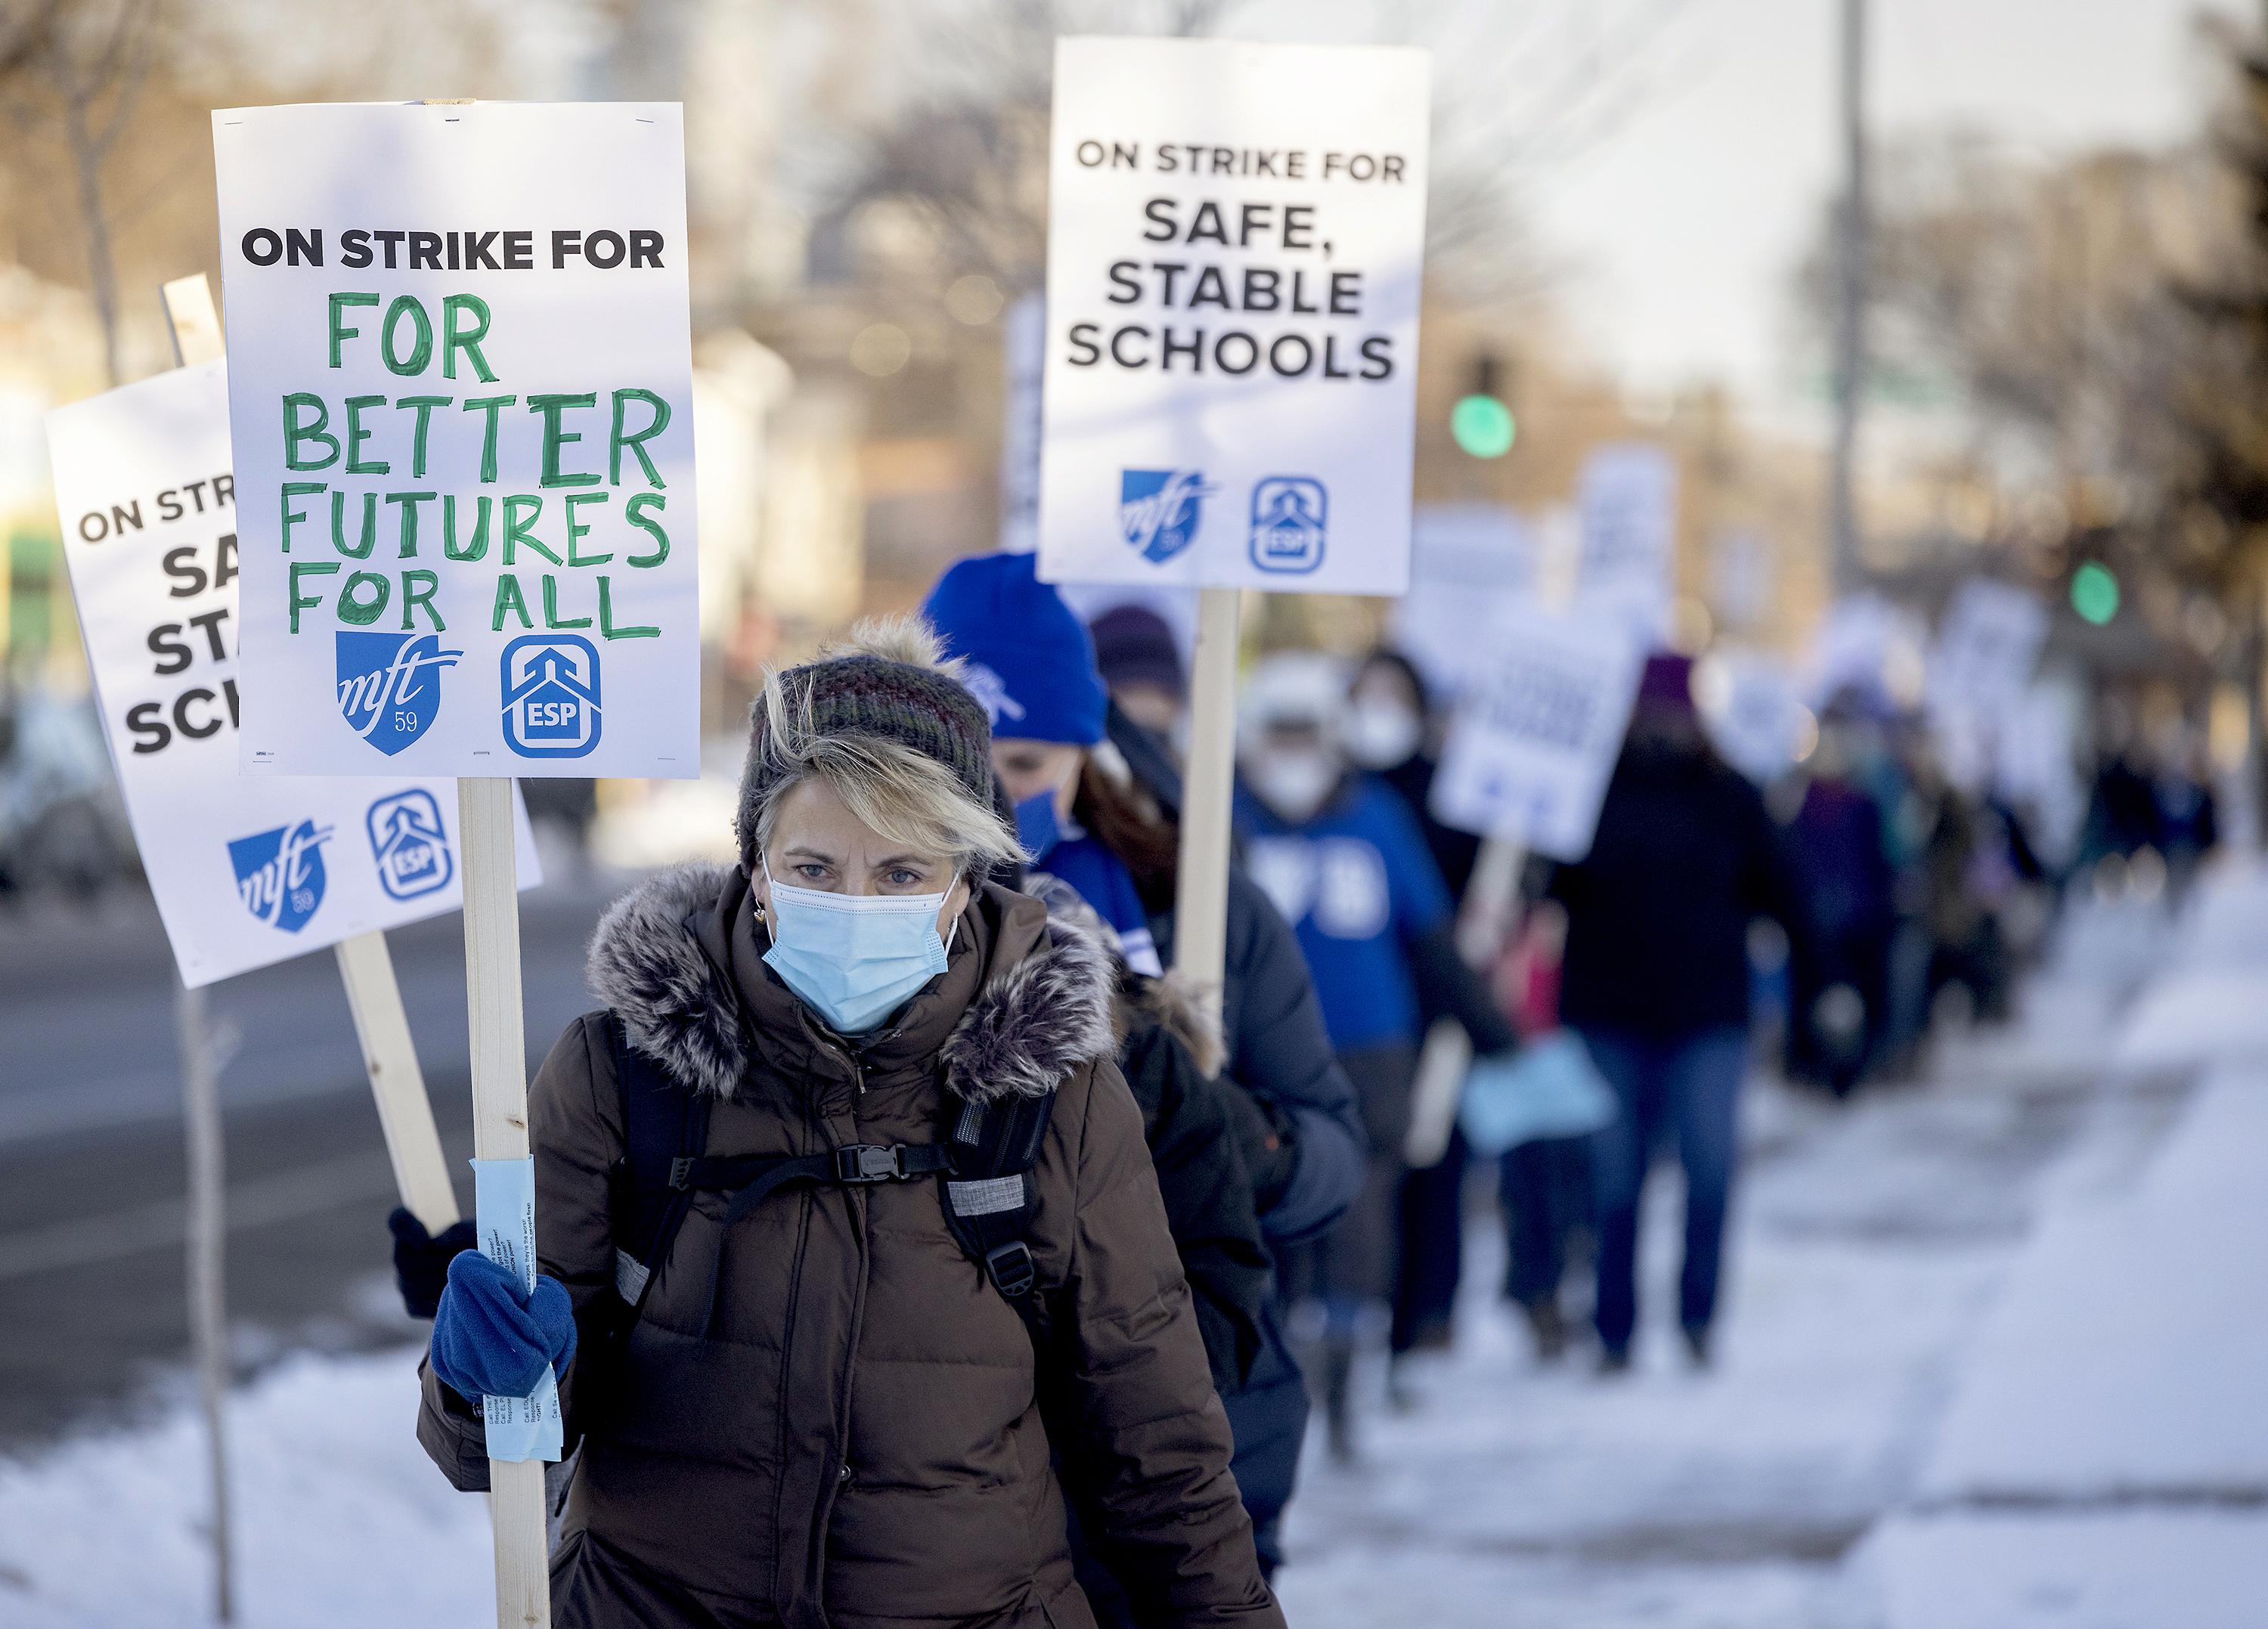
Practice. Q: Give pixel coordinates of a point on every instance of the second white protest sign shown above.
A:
(1234, 243)
(245, 871)
(460, 383)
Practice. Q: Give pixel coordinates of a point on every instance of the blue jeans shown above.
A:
(1689, 1084)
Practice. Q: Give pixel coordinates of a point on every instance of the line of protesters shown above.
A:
(915, 1248)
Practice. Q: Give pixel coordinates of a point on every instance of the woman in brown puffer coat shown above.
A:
(826, 1414)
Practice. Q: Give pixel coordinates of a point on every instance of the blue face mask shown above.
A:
(854, 959)
(1037, 828)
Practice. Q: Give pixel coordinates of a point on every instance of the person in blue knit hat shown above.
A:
(1084, 819)
(1030, 661)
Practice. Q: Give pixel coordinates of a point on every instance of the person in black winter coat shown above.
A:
(1656, 983)
(1170, 1052)
(1089, 820)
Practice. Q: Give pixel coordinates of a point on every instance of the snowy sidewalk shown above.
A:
(1923, 1246)
(2105, 1458)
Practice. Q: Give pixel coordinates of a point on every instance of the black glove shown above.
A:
(421, 1261)
(1265, 1136)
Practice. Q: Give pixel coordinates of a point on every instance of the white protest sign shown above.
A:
(1531, 749)
(1987, 642)
(1470, 564)
(1235, 239)
(245, 871)
(461, 386)
(1627, 500)
(1749, 704)
(1865, 644)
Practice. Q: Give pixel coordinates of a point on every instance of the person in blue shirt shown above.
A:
(1085, 819)
(1344, 860)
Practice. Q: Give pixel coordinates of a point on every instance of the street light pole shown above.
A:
(1850, 326)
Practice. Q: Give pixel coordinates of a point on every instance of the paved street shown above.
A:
(90, 1162)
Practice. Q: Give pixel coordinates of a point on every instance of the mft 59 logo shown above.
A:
(390, 685)
(409, 844)
(551, 695)
(279, 873)
(1159, 510)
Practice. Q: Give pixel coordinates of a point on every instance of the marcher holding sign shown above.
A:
(1655, 981)
(462, 402)
(847, 1138)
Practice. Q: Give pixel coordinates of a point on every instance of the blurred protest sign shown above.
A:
(1469, 565)
(1987, 644)
(1627, 501)
(461, 386)
(1747, 702)
(1531, 749)
(1988, 641)
(1235, 241)
(245, 871)
(1867, 647)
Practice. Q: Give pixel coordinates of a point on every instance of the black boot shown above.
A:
(1338, 1397)
(1548, 1327)
(1697, 1345)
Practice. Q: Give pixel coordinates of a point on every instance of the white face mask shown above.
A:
(1293, 783)
(854, 958)
(1383, 734)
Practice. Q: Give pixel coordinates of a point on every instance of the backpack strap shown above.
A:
(663, 1125)
(984, 1168)
(989, 1197)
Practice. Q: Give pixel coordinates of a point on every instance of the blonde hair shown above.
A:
(902, 794)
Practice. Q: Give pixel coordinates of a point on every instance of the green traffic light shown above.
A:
(1482, 426)
(2094, 593)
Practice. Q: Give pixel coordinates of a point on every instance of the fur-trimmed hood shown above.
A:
(1167, 999)
(1032, 1021)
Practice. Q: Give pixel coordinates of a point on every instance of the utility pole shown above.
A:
(1851, 305)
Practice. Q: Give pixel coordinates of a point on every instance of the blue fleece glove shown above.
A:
(493, 1339)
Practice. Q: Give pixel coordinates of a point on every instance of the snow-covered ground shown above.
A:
(1983, 1367)
(1992, 1357)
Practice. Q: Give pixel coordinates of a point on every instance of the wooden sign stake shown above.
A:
(202, 1057)
(196, 338)
(500, 1132)
(1201, 888)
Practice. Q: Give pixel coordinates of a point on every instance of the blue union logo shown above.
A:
(279, 873)
(1159, 510)
(409, 844)
(551, 695)
(390, 685)
(1288, 519)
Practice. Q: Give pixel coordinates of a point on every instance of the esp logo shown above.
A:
(551, 705)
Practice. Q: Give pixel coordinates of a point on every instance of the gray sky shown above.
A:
(1683, 229)
(1679, 236)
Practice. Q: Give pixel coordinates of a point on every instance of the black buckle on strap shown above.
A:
(861, 1163)
(1013, 1271)
(681, 1171)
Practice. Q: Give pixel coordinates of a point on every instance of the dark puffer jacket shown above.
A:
(851, 1438)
